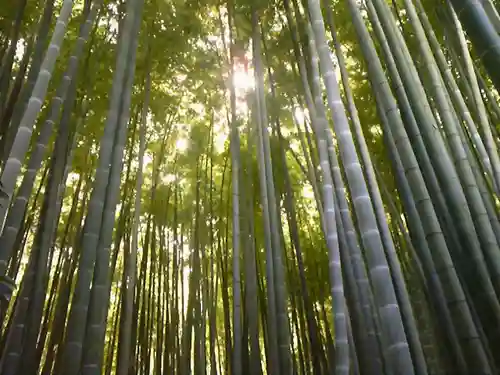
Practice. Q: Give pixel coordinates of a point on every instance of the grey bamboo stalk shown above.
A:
(400, 287)
(15, 214)
(491, 100)
(312, 113)
(72, 347)
(482, 34)
(342, 365)
(394, 340)
(324, 133)
(7, 59)
(422, 247)
(459, 156)
(235, 186)
(29, 309)
(492, 13)
(273, 355)
(14, 118)
(353, 268)
(310, 168)
(486, 301)
(252, 301)
(456, 94)
(455, 296)
(478, 101)
(20, 146)
(407, 115)
(94, 340)
(309, 104)
(125, 346)
(353, 258)
(285, 357)
(47, 230)
(352, 346)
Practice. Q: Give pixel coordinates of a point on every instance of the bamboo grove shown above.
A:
(293, 187)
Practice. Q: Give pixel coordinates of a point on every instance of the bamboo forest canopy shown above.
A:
(249, 187)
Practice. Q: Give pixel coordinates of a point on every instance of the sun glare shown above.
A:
(169, 178)
(242, 80)
(181, 144)
(300, 115)
(20, 48)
